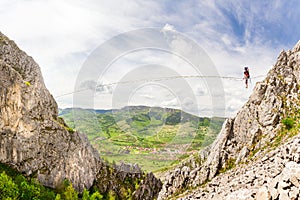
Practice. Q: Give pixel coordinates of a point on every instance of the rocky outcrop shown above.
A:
(33, 139)
(276, 175)
(149, 188)
(36, 142)
(255, 126)
(128, 181)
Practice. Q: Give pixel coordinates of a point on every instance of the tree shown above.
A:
(58, 197)
(29, 191)
(8, 189)
(70, 193)
(96, 196)
(206, 122)
(86, 195)
(111, 195)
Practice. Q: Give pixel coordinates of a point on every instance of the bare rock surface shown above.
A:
(253, 129)
(276, 176)
(33, 139)
(36, 142)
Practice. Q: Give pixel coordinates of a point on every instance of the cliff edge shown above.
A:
(36, 142)
(33, 139)
(259, 127)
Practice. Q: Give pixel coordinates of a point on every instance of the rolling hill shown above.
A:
(153, 137)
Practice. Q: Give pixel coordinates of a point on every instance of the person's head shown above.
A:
(246, 68)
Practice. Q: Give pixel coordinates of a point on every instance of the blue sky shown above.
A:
(60, 35)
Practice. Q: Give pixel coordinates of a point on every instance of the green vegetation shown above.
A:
(70, 193)
(8, 189)
(70, 129)
(289, 123)
(63, 124)
(230, 164)
(14, 186)
(150, 136)
(290, 128)
(2, 40)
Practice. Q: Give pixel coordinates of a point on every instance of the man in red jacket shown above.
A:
(246, 76)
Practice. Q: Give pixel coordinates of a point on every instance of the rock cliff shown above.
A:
(256, 130)
(36, 142)
(33, 139)
(275, 175)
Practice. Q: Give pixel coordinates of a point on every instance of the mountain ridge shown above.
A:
(256, 126)
(136, 106)
(37, 143)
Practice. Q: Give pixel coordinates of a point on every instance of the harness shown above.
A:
(246, 73)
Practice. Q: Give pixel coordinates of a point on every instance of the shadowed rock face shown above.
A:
(36, 142)
(255, 126)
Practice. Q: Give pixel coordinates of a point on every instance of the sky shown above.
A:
(62, 34)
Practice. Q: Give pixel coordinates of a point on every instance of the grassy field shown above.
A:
(152, 137)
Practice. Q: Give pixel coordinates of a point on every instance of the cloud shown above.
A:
(189, 105)
(56, 32)
(200, 90)
(173, 103)
(99, 88)
(147, 96)
(89, 85)
(168, 27)
(61, 34)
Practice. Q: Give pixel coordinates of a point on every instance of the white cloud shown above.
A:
(168, 27)
(173, 103)
(148, 96)
(201, 90)
(61, 34)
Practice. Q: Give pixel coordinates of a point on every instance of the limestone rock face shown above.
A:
(149, 188)
(275, 176)
(254, 127)
(33, 139)
(36, 142)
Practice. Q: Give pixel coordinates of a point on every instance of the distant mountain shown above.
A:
(153, 137)
(67, 110)
(103, 111)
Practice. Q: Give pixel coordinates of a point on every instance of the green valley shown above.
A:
(153, 137)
